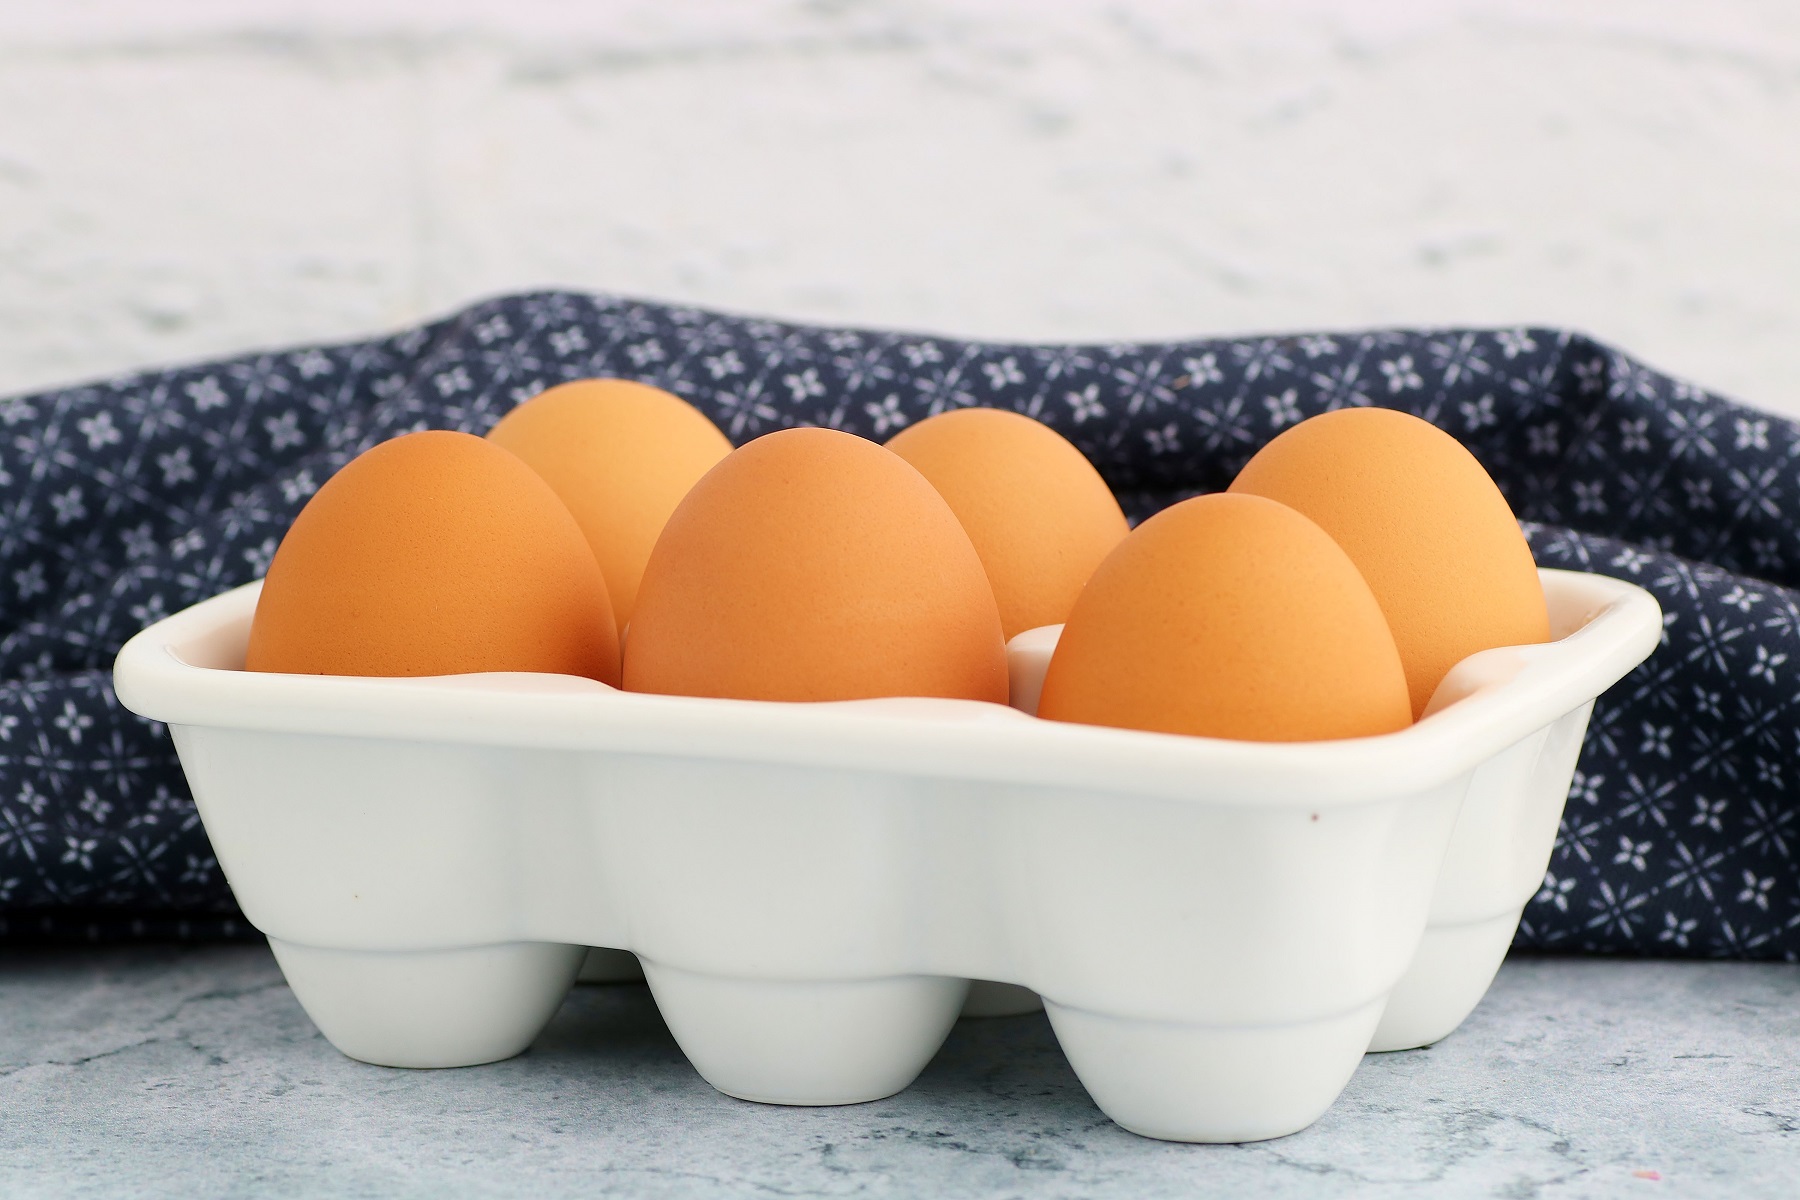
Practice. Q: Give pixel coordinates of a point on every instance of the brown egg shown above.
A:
(1424, 524)
(814, 565)
(1230, 617)
(621, 455)
(1039, 514)
(434, 554)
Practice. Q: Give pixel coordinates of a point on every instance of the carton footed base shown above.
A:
(808, 1042)
(1450, 973)
(431, 1008)
(1207, 1083)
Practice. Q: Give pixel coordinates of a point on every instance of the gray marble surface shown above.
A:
(192, 1072)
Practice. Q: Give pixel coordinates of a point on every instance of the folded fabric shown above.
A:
(122, 502)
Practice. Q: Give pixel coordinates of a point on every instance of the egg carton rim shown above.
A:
(178, 671)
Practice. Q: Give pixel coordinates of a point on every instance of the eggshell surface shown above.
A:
(1424, 523)
(621, 455)
(815, 565)
(434, 553)
(1230, 617)
(1040, 516)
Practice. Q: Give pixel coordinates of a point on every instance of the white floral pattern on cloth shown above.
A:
(124, 501)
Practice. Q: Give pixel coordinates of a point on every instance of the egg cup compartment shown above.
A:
(1495, 864)
(1217, 928)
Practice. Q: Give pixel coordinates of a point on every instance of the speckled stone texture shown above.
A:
(193, 1072)
(185, 179)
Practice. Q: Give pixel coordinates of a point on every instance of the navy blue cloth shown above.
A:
(121, 502)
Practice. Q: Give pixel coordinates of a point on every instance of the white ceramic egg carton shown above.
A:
(1219, 929)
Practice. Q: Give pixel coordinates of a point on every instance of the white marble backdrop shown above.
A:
(194, 177)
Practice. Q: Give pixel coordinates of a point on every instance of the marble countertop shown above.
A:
(163, 1070)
